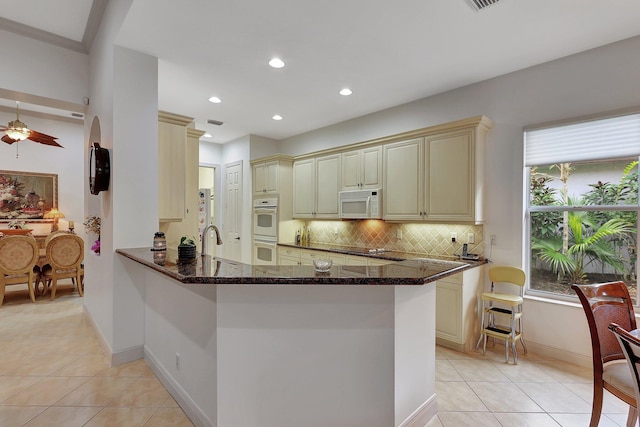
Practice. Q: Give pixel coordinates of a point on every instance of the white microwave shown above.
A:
(361, 204)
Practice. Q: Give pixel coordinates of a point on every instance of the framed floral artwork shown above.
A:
(27, 196)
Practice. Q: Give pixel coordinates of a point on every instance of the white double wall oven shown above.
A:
(265, 230)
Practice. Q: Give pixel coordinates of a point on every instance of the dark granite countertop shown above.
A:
(208, 269)
(388, 255)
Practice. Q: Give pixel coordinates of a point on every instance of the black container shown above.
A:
(186, 252)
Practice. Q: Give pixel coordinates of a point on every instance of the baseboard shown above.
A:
(102, 342)
(421, 416)
(115, 359)
(127, 355)
(450, 344)
(560, 354)
(190, 408)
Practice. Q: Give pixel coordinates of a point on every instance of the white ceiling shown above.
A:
(388, 53)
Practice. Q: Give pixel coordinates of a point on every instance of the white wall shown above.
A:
(65, 162)
(43, 70)
(262, 147)
(595, 81)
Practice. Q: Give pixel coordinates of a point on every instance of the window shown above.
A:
(582, 204)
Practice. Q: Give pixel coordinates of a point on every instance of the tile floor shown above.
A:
(53, 372)
(476, 390)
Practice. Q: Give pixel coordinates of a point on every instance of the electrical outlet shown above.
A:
(178, 361)
(335, 230)
(471, 238)
(454, 237)
(399, 234)
(493, 240)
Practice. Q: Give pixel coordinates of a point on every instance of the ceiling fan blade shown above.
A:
(43, 139)
(8, 139)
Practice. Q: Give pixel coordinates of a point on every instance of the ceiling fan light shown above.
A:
(17, 130)
(18, 134)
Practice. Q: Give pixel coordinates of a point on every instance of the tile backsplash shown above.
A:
(432, 239)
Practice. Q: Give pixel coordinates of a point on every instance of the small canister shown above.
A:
(159, 242)
(159, 248)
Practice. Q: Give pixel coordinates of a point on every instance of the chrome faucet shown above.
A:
(204, 237)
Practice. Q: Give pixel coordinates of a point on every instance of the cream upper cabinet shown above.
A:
(304, 192)
(362, 168)
(452, 181)
(439, 177)
(403, 190)
(265, 178)
(172, 157)
(316, 182)
(327, 186)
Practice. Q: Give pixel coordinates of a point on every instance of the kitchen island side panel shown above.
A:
(306, 355)
(182, 322)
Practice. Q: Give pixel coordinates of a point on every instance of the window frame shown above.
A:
(528, 209)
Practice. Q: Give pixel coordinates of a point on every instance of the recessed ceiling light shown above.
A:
(277, 117)
(207, 135)
(215, 100)
(346, 92)
(276, 63)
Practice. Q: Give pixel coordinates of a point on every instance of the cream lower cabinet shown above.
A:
(288, 255)
(457, 301)
(365, 261)
(362, 168)
(316, 182)
(308, 255)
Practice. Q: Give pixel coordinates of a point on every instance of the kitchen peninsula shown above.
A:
(243, 345)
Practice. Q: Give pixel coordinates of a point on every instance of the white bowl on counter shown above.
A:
(322, 265)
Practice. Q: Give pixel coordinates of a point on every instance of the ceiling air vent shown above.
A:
(479, 5)
(214, 122)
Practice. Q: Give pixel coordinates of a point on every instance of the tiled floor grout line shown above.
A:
(576, 378)
(57, 374)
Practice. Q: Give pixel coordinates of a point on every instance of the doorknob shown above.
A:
(237, 238)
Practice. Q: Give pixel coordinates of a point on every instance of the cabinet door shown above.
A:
(307, 256)
(171, 171)
(303, 188)
(288, 260)
(259, 178)
(351, 162)
(450, 187)
(271, 181)
(355, 260)
(403, 170)
(371, 168)
(327, 186)
(449, 311)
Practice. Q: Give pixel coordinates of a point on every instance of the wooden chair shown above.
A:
(630, 344)
(508, 306)
(603, 304)
(65, 253)
(18, 256)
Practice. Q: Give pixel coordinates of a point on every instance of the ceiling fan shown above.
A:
(18, 131)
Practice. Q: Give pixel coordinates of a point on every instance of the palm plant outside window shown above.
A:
(582, 205)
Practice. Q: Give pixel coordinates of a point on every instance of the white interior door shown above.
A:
(233, 211)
